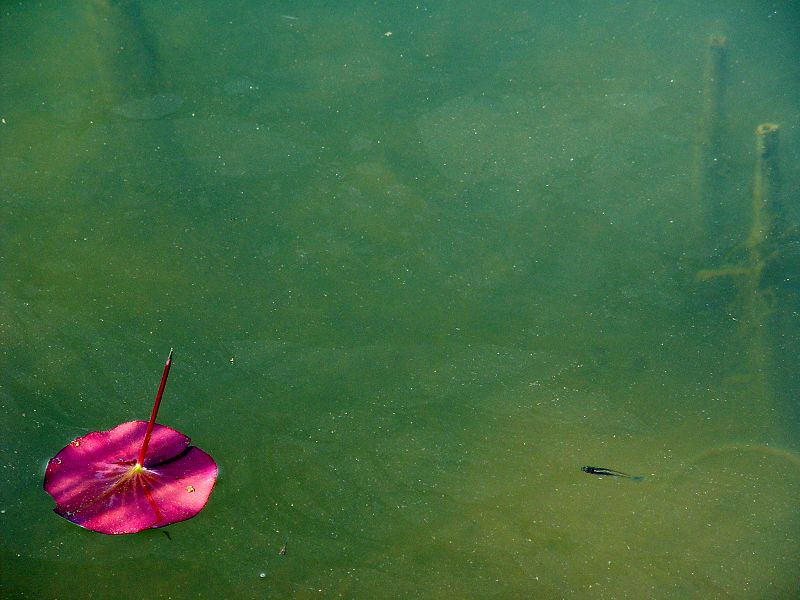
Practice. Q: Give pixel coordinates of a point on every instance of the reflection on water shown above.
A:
(414, 282)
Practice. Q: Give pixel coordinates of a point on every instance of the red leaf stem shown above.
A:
(157, 403)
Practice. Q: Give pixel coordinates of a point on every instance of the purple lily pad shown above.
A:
(139, 475)
(97, 484)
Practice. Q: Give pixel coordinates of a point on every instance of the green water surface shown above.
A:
(420, 262)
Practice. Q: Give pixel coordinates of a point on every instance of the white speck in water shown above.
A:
(262, 574)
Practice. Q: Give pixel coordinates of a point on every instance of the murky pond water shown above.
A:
(419, 265)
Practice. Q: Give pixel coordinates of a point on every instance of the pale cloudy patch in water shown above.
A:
(235, 148)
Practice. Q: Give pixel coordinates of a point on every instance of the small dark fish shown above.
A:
(166, 533)
(610, 473)
(282, 551)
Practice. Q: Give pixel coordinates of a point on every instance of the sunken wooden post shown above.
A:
(757, 298)
(762, 243)
(767, 213)
(762, 246)
(708, 163)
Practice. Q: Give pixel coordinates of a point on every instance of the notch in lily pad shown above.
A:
(138, 475)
